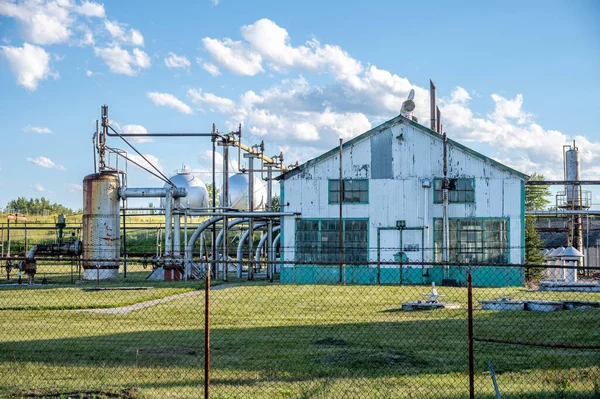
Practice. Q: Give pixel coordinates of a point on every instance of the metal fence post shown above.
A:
(470, 333)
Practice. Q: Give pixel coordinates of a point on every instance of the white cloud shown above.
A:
(29, 64)
(40, 22)
(45, 163)
(89, 73)
(38, 130)
(52, 21)
(74, 187)
(170, 101)
(38, 187)
(360, 93)
(137, 129)
(151, 159)
(234, 56)
(176, 61)
(90, 9)
(211, 101)
(211, 68)
(205, 161)
(121, 61)
(215, 2)
(119, 33)
(136, 38)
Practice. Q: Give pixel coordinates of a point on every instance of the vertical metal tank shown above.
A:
(572, 173)
(101, 226)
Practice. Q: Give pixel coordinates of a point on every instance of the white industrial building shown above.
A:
(393, 208)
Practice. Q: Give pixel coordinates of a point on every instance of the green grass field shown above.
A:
(286, 341)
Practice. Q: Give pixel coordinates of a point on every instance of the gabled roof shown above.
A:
(391, 123)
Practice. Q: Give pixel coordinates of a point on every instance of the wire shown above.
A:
(140, 166)
(143, 157)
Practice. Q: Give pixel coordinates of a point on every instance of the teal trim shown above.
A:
(330, 201)
(456, 202)
(391, 123)
(522, 222)
(483, 276)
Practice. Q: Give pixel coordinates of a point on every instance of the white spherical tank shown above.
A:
(238, 193)
(101, 228)
(197, 194)
(572, 174)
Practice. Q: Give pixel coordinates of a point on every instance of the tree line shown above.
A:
(36, 206)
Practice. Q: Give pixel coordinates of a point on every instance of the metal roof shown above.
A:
(386, 125)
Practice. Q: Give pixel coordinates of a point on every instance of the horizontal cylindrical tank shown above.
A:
(101, 228)
(572, 172)
(238, 193)
(197, 194)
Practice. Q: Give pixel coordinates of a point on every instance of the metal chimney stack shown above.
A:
(432, 105)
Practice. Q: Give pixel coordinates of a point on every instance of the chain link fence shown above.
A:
(304, 335)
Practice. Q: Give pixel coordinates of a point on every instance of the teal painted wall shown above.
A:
(483, 276)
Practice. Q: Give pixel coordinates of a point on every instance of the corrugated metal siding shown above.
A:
(381, 155)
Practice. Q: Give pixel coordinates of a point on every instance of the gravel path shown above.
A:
(147, 304)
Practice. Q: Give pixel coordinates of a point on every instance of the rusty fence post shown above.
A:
(207, 331)
(470, 329)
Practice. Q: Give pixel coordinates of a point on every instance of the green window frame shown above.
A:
(474, 240)
(355, 191)
(318, 240)
(463, 192)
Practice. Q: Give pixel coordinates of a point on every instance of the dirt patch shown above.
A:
(331, 342)
(127, 393)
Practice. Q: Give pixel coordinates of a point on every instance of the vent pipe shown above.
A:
(432, 104)
(438, 127)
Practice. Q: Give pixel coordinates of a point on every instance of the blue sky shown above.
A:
(516, 80)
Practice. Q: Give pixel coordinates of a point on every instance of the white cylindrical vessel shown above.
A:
(101, 228)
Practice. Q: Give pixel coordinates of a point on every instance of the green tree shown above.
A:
(276, 204)
(36, 206)
(210, 193)
(536, 199)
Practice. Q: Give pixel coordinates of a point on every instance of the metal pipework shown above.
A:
(240, 251)
(190, 247)
(127, 192)
(262, 243)
(263, 157)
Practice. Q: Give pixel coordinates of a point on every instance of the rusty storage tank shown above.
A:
(101, 226)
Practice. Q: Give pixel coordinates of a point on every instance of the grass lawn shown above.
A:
(289, 341)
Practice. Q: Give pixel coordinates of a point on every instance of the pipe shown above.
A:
(270, 266)
(251, 209)
(127, 192)
(262, 243)
(240, 252)
(258, 155)
(226, 226)
(168, 221)
(245, 214)
(564, 212)
(177, 235)
(189, 249)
